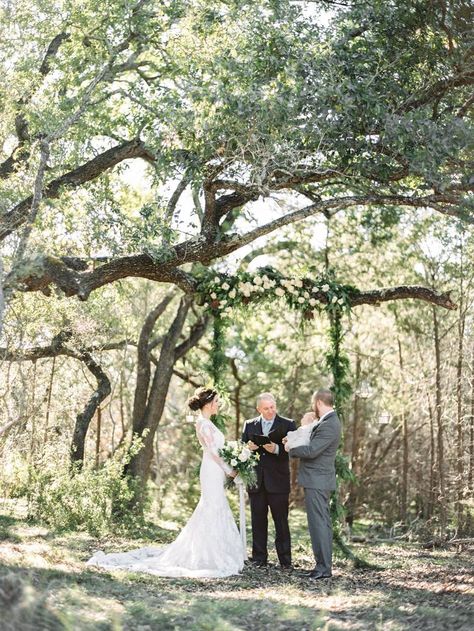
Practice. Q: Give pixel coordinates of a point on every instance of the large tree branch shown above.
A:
(197, 331)
(210, 221)
(174, 199)
(357, 298)
(41, 273)
(20, 154)
(403, 292)
(57, 348)
(88, 171)
(442, 203)
(437, 90)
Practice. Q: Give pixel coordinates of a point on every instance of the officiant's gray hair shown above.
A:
(267, 396)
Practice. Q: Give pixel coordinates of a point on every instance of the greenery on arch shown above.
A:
(221, 293)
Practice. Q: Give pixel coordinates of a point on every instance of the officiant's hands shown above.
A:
(252, 445)
(270, 447)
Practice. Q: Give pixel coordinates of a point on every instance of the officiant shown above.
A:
(265, 434)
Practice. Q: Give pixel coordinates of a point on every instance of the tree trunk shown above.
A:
(146, 418)
(351, 503)
(404, 487)
(459, 410)
(471, 429)
(85, 417)
(433, 480)
(97, 437)
(48, 402)
(439, 425)
(143, 362)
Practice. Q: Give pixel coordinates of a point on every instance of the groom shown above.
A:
(317, 474)
(273, 482)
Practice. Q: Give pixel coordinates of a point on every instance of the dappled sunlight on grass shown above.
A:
(413, 589)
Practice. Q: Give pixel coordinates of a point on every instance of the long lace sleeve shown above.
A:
(207, 437)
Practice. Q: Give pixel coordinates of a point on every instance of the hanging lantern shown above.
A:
(384, 417)
(364, 391)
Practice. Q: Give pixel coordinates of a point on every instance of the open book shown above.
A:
(275, 436)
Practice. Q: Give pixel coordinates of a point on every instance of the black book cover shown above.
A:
(275, 436)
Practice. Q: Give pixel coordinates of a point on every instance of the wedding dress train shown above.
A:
(209, 546)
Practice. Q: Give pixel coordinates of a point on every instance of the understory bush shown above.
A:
(91, 499)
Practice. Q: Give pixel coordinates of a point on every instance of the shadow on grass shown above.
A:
(7, 522)
(96, 599)
(393, 610)
(99, 600)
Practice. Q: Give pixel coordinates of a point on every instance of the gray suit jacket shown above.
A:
(317, 469)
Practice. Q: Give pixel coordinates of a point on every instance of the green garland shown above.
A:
(217, 366)
(218, 359)
(222, 293)
(338, 362)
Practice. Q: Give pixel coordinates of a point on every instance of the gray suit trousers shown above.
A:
(320, 527)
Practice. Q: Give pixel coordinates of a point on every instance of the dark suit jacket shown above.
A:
(273, 471)
(317, 470)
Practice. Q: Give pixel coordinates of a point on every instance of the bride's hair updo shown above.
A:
(201, 397)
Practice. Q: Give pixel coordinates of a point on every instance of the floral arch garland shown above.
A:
(221, 293)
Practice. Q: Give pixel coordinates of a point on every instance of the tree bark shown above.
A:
(351, 503)
(459, 404)
(146, 424)
(48, 402)
(433, 479)
(143, 360)
(405, 461)
(471, 429)
(10, 221)
(84, 418)
(439, 425)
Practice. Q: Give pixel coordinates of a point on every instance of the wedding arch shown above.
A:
(221, 294)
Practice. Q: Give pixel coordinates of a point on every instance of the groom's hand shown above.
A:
(252, 445)
(308, 418)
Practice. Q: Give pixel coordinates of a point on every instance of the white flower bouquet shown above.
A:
(236, 454)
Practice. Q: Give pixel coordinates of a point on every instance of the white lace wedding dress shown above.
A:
(209, 546)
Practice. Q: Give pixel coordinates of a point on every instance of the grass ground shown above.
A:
(45, 585)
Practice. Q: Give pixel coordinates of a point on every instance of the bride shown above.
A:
(209, 546)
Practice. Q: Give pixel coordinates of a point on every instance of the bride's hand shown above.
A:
(234, 474)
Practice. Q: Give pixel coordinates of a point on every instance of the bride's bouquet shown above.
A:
(236, 454)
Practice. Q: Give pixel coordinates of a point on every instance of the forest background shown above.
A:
(152, 147)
